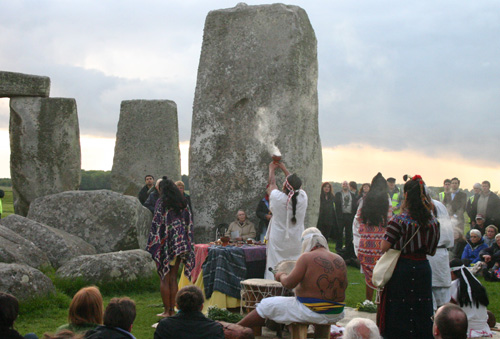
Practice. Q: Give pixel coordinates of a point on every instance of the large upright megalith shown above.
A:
(147, 142)
(256, 91)
(44, 148)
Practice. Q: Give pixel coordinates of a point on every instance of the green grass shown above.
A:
(7, 204)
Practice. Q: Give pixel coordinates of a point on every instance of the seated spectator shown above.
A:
(489, 235)
(361, 328)
(9, 309)
(85, 311)
(450, 321)
(472, 249)
(189, 322)
(480, 226)
(153, 196)
(491, 255)
(64, 334)
(118, 320)
(467, 292)
(458, 245)
(241, 228)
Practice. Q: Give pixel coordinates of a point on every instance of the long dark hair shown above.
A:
(9, 308)
(416, 201)
(170, 195)
(296, 183)
(376, 202)
(326, 196)
(479, 294)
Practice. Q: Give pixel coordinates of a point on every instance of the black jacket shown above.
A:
(493, 250)
(262, 211)
(188, 325)
(151, 201)
(338, 205)
(143, 194)
(492, 210)
(106, 332)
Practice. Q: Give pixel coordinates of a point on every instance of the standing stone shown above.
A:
(23, 85)
(147, 142)
(24, 282)
(44, 148)
(256, 89)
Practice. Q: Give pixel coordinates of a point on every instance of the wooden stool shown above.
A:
(299, 331)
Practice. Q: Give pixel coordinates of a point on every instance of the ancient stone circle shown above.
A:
(256, 94)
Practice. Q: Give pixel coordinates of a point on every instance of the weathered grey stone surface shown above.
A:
(257, 85)
(24, 282)
(107, 220)
(125, 266)
(58, 245)
(23, 85)
(147, 142)
(15, 249)
(44, 148)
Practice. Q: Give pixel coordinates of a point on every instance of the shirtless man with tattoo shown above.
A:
(319, 280)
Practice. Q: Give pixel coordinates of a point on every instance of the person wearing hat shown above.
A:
(395, 195)
(478, 225)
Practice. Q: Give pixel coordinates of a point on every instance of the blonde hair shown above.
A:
(86, 307)
(180, 183)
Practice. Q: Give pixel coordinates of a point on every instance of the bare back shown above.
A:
(318, 274)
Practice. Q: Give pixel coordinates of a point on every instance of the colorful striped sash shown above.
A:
(322, 306)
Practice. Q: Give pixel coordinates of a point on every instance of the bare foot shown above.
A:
(163, 315)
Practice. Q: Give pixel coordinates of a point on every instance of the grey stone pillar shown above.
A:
(256, 89)
(147, 142)
(44, 148)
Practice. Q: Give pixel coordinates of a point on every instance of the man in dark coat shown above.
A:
(455, 202)
(345, 205)
(143, 193)
(487, 204)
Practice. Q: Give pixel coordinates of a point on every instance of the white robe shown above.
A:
(441, 278)
(280, 246)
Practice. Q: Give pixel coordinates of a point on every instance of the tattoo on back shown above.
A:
(332, 288)
(327, 266)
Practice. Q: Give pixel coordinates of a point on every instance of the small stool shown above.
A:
(299, 331)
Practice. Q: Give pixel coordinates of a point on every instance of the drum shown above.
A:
(254, 290)
(285, 266)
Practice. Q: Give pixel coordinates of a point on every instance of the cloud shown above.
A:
(393, 75)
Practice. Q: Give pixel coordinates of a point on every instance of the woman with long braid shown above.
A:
(287, 224)
(405, 308)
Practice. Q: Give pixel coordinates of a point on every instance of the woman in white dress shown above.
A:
(287, 224)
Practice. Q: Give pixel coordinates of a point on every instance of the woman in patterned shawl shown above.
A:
(171, 241)
(374, 212)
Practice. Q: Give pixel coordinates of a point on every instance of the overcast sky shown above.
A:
(394, 76)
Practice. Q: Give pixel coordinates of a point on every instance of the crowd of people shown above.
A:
(427, 296)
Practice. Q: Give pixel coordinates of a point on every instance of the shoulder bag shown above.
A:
(384, 268)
